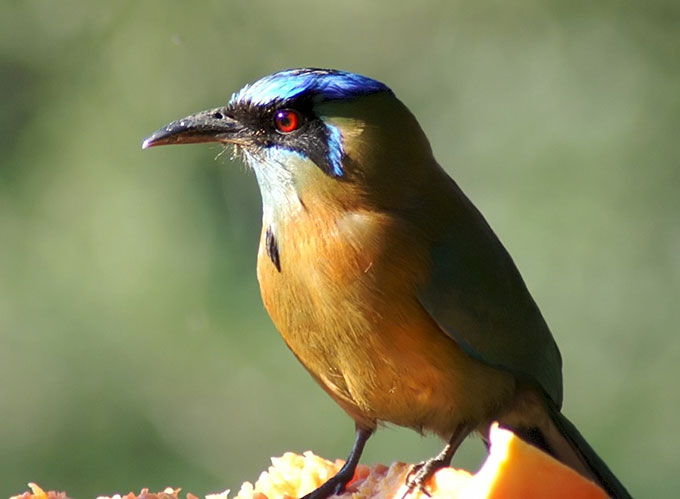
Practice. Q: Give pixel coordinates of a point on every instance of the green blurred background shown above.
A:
(134, 349)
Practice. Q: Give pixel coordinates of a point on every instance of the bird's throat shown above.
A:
(280, 199)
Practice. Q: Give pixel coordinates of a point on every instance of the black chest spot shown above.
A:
(272, 248)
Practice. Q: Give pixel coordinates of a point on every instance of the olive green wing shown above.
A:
(478, 297)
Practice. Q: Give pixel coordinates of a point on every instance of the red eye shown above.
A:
(287, 121)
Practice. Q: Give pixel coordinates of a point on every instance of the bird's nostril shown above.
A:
(217, 115)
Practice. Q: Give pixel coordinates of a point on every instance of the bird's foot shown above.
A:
(333, 486)
(421, 473)
(337, 484)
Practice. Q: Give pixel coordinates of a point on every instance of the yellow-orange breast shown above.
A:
(345, 303)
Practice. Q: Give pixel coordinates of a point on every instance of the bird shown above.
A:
(383, 278)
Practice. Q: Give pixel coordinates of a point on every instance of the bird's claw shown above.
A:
(420, 473)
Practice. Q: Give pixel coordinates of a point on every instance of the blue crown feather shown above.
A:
(325, 84)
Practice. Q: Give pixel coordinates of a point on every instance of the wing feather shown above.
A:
(478, 297)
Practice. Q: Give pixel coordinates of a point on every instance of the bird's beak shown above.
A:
(213, 125)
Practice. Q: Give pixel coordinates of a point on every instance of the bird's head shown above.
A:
(315, 133)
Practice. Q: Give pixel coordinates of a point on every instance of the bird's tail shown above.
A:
(566, 444)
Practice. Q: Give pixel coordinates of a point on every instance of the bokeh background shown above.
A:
(134, 350)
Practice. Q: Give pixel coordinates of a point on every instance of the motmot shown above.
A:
(383, 278)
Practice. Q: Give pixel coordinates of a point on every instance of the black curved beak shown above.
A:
(213, 125)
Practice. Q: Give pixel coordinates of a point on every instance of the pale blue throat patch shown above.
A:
(275, 173)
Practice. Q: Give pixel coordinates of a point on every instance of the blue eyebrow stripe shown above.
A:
(323, 84)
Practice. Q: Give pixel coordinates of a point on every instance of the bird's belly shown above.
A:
(357, 326)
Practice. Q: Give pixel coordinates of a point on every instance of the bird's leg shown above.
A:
(337, 484)
(422, 472)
